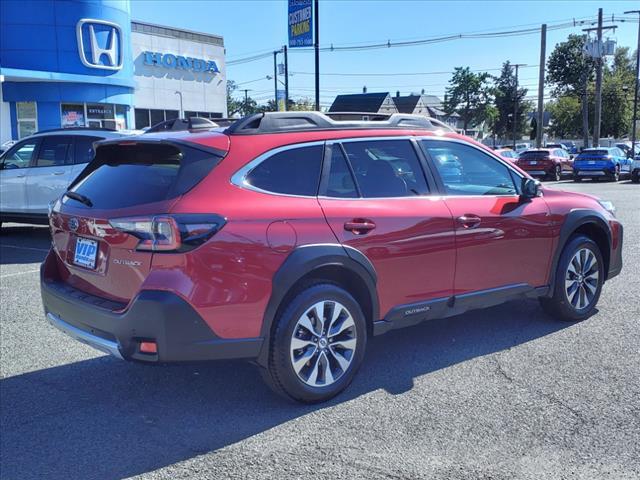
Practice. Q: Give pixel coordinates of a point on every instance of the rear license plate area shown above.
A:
(85, 253)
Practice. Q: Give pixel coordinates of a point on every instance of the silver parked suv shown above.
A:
(38, 169)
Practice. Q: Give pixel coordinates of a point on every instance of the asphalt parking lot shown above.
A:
(496, 394)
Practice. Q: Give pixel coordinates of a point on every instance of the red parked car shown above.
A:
(548, 163)
(290, 239)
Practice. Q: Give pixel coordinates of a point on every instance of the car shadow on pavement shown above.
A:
(102, 418)
(21, 244)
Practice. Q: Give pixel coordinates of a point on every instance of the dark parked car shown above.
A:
(290, 239)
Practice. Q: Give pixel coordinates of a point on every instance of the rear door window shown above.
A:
(386, 168)
(55, 151)
(294, 171)
(84, 149)
(340, 183)
(126, 175)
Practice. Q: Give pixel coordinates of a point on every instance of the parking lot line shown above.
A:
(18, 273)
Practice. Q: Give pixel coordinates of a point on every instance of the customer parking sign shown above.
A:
(300, 23)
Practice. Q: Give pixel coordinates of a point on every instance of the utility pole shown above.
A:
(275, 78)
(598, 113)
(316, 22)
(246, 99)
(635, 97)
(543, 53)
(515, 104)
(598, 54)
(286, 78)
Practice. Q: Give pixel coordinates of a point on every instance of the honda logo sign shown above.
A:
(103, 40)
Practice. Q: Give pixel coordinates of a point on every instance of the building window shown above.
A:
(142, 118)
(72, 115)
(157, 116)
(27, 118)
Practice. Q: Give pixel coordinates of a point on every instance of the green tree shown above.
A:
(468, 95)
(234, 106)
(566, 120)
(506, 98)
(569, 71)
(617, 94)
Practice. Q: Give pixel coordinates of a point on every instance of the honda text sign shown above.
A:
(300, 23)
(100, 44)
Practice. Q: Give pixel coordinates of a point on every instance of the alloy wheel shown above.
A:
(323, 343)
(581, 279)
(558, 174)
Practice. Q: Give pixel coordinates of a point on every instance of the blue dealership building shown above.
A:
(67, 63)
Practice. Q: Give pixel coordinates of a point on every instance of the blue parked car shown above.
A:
(601, 162)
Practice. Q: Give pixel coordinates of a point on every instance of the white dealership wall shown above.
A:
(156, 85)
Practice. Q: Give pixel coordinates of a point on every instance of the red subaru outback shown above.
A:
(291, 238)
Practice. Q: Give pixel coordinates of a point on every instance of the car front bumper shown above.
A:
(159, 316)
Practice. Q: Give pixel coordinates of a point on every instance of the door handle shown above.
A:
(469, 221)
(359, 226)
(21, 176)
(58, 173)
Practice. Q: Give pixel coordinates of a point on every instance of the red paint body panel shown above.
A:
(418, 248)
(510, 245)
(413, 238)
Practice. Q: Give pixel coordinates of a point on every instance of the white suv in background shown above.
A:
(38, 169)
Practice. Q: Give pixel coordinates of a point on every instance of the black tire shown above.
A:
(559, 305)
(616, 174)
(280, 374)
(635, 178)
(557, 174)
(577, 179)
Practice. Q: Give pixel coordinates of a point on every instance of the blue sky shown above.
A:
(251, 27)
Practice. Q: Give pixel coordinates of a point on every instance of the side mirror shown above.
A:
(530, 188)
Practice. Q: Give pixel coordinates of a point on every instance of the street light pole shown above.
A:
(540, 122)
(181, 110)
(286, 78)
(275, 78)
(598, 107)
(635, 96)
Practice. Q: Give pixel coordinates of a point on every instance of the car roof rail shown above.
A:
(280, 122)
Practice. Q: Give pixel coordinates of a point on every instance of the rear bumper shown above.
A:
(179, 332)
(593, 171)
(538, 170)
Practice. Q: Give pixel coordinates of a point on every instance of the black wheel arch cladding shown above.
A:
(301, 264)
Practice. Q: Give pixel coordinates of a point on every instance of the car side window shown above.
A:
(84, 149)
(386, 168)
(294, 171)
(20, 155)
(55, 151)
(466, 170)
(340, 183)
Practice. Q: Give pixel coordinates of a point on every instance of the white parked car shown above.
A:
(521, 147)
(38, 169)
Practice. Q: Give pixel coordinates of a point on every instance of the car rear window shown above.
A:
(534, 154)
(124, 175)
(588, 153)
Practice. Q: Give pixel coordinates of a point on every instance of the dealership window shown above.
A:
(148, 117)
(211, 115)
(73, 115)
(27, 118)
(94, 115)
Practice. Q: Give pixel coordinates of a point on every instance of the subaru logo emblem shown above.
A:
(73, 224)
(99, 44)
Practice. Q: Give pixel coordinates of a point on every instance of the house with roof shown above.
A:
(428, 105)
(365, 103)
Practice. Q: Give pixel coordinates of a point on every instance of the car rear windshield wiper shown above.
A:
(80, 198)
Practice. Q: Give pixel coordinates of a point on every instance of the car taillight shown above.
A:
(170, 233)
